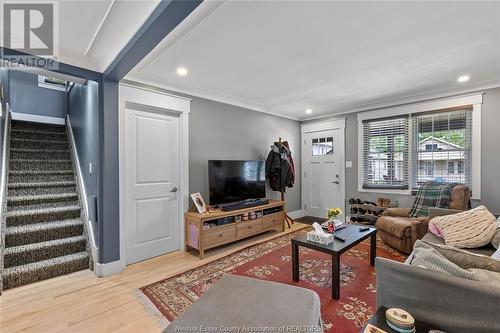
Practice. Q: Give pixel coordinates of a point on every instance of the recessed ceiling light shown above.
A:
(182, 71)
(308, 111)
(463, 78)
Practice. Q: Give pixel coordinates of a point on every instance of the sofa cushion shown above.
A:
(396, 226)
(484, 250)
(469, 229)
(463, 258)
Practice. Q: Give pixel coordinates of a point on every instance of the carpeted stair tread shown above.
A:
(26, 200)
(39, 208)
(40, 154)
(40, 172)
(30, 216)
(18, 133)
(17, 176)
(41, 270)
(27, 164)
(26, 254)
(41, 232)
(45, 184)
(38, 144)
(42, 127)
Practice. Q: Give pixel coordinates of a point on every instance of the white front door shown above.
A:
(323, 174)
(151, 179)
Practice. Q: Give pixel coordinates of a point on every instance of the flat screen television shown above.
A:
(232, 181)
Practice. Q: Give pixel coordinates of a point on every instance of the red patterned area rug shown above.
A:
(271, 260)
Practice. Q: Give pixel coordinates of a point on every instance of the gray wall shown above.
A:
(27, 97)
(83, 103)
(490, 157)
(490, 150)
(220, 131)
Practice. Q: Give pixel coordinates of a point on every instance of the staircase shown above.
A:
(44, 234)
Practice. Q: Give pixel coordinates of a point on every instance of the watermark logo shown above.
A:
(30, 32)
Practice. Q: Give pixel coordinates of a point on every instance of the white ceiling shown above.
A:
(333, 57)
(93, 32)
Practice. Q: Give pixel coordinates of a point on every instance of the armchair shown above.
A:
(397, 229)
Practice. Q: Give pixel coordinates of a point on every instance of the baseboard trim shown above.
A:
(110, 268)
(37, 118)
(297, 214)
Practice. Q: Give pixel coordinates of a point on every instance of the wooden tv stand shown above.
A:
(272, 216)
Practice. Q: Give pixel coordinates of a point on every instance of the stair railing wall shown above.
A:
(3, 187)
(83, 195)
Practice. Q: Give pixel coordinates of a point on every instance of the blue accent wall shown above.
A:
(83, 110)
(109, 201)
(27, 97)
(4, 83)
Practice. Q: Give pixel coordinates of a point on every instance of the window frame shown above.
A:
(404, 122)
(472, 100)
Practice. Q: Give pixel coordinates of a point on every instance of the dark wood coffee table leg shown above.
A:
(335, 276)
(373, 248)
(295, 262)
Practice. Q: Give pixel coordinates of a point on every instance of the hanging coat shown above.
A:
(279, 167)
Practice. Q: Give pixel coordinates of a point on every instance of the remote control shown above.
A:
(364, 229)
(339, 238)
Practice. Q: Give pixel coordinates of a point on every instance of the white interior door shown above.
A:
(323, 174)
(151, 180)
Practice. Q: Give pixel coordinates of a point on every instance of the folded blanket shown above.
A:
(469, 229)
(431, 194)
(427, 257)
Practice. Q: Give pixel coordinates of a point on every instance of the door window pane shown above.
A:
(322, 146)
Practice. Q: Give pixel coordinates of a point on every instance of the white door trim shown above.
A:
(170, 104)
(318, 127)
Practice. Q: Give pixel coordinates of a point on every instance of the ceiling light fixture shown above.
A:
(463, 78)
(308, 111)
(181, 71)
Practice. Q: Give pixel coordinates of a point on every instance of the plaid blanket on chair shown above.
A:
(431, 194)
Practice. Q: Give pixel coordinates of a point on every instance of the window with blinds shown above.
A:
(442, 147)
(386, 153)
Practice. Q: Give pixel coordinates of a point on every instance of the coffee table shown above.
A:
(352, 237)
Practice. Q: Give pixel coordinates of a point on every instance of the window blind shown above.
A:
(386, 153)
(442, 146)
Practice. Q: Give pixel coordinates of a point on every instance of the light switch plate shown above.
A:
(348, 164)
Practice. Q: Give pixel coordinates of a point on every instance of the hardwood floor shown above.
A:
(81, 302)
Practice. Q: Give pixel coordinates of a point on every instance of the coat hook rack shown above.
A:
(288, 219)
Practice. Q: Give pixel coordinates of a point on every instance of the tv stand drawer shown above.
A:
(272, 220)
(249, 228)
(218, 236)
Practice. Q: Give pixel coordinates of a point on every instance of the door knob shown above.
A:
(174, 189)
(336, 182)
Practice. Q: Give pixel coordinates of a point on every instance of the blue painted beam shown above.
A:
(63, 68)
(166, 16)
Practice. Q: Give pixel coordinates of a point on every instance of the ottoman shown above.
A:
(238, 303)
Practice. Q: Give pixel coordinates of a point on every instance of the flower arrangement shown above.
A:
(334, 212)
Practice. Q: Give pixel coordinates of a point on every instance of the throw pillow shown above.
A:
(435, 230)
(464, 258)
(496, 238)
(468, 229)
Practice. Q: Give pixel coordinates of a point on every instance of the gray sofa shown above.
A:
(451, 303)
